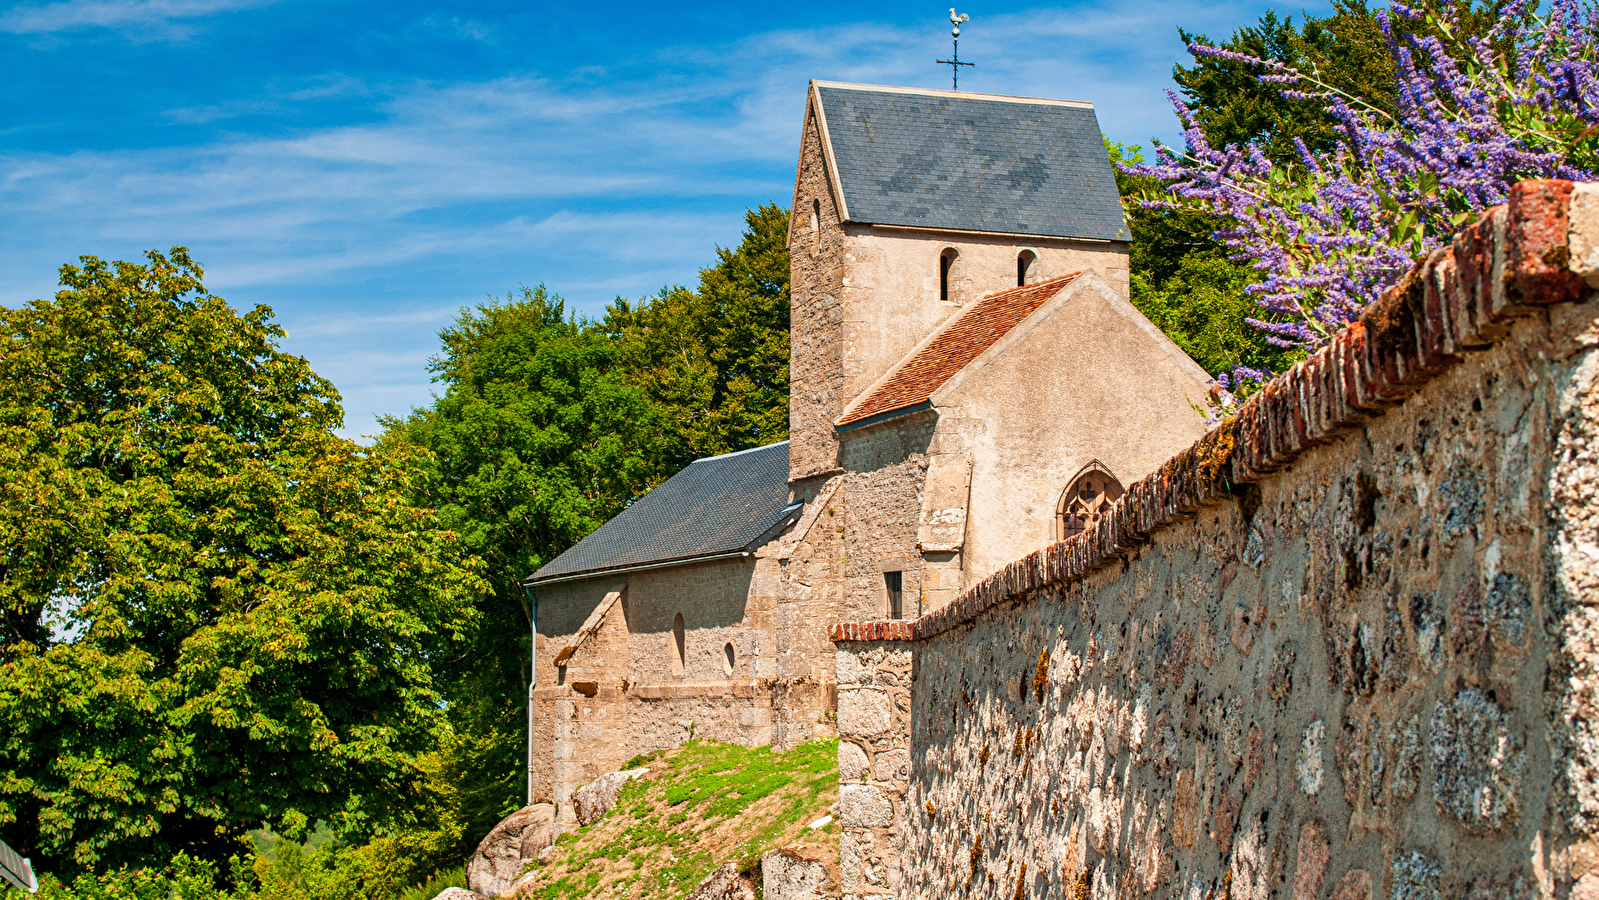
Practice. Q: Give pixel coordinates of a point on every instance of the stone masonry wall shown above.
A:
(816, 313)
(1344, 647)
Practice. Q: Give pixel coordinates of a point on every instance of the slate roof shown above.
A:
(721, 504)
(971, 162)
(950, 349)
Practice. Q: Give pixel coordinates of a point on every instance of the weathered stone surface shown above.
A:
(1386, 567)
(852, 762)
(865, 804)
(1355, 885)
(455, 893)
(498, 861)
(1311, 866)
(863, 712)
(725, 883)
(594, 800)
(808, 874)
(538, 834)
(1477, 762)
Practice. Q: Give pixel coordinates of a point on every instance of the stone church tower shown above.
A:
(968, 377)
(968, 383)
(908, 205)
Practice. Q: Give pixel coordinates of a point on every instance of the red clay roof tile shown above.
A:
(976, 329)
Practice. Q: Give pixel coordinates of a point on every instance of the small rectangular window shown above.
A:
(894, 582)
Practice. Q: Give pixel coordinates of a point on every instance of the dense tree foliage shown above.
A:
(548, 424)
(217, 614)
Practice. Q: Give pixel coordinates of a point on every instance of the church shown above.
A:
(969, 382)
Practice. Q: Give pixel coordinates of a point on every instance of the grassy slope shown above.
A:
(702, 805)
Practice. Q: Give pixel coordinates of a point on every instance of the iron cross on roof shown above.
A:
(955, 64)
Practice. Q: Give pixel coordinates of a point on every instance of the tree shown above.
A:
(217, 614)
(715, 361)
(538, 437)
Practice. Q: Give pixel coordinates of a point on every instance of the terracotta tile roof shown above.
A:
(976, 329)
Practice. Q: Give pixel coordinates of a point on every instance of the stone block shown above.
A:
(593, 801)
(891, 765)
(497, 862)
(1583, 233)
(864, 806)
(863, 712)
(724, 883)
(806, 874)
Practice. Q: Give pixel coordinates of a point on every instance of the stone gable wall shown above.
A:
(1344, 647)
(816, 314)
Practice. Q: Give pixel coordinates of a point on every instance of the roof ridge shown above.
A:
(740, 452)
(935, 92)
(946, 351)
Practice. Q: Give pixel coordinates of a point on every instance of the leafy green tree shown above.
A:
(715, 360)
(217, 614)
(537, 438)
(1345, 48)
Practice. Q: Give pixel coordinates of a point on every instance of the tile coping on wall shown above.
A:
(1513, 261)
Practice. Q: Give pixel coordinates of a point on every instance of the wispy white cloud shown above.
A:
(71, 15)
(609, 180)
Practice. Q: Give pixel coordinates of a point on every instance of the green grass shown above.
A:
(703, 805)
(448, 878)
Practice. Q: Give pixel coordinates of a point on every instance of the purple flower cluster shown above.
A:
(1329, 231)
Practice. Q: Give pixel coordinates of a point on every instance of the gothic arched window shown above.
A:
(946, 273)
(1086, 499)
(679, 645)
(1026, 267)
(816, 225)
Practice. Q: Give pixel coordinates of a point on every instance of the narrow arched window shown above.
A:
(816, 225)
(679, 645)
(946, 273)
(729, 659)
(1026, 267)
(1087, 499)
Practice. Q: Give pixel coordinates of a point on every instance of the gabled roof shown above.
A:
(949, 349)
(969, 162)
(717, 506)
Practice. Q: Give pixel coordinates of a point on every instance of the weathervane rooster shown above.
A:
(955, 62)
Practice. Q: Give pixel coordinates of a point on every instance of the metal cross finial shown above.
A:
(955, 63)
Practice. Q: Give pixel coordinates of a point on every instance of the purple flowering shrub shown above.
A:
(1332, 229)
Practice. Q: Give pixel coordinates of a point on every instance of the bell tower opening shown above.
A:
(947, 274)
(1026, 268)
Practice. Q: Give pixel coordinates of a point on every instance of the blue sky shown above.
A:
(365, 169)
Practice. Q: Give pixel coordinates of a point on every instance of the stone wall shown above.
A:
(816, 312)
(1341, 648)
(617, 693)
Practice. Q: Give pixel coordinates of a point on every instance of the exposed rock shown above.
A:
(724, 884)
(1355, 885)
(1477, 761)
(1416, 877)
(592, 802)
(1312, 863)
(455, 893)
(499, 859)
(539, 834)
(805, 874)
